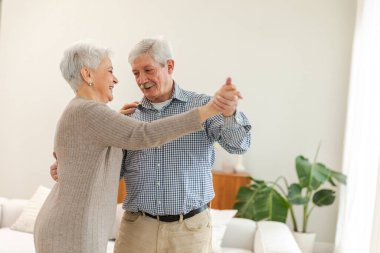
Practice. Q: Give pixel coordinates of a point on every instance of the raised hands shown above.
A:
(225, 101)
(226, 98)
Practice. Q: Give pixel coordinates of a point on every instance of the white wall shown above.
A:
(289, 58)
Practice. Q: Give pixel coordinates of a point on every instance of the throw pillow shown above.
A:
(25, 223)
(220, 219)
(1, 209)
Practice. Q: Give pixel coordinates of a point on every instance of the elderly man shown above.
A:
(170, 187)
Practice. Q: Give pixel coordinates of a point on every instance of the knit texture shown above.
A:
(79, 212)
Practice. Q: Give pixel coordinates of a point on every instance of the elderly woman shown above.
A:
(78, 214)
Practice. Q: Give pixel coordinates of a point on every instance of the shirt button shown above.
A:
(158, 165)
(158, 202)
(158, 183)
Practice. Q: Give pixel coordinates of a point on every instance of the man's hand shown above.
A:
(130, 108)
(54, 168)
(227, 98)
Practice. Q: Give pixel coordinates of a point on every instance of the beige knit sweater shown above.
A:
(79, 212)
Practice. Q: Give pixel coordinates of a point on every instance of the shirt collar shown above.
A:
(178, 94)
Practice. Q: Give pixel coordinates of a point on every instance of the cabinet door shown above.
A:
(122, 192)
(226, 186)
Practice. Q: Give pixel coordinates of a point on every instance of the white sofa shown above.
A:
(241, 235)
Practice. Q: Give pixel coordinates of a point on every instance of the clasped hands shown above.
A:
(225, 100)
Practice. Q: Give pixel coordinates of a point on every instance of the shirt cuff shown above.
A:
(231, 121)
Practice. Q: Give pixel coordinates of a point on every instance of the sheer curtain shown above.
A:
(359, 222)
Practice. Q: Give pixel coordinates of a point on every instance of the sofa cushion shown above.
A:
(12, 241)
(272, 236)
(11, 210)
(220, 218)
(235, 250)
(2, 200)
(240, 233)
(15, 241)
(25, 223)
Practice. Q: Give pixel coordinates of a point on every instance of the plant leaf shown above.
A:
(269, 204)
(261, 203)
(332, 181)
(244, 202)
(303, 168)
(257, 181)
(324, 197)
(340, 177)
(311, 176)
(319, 175)
(295, 195)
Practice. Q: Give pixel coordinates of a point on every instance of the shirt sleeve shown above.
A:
(123, 170)
(232, 133)
(111, 128)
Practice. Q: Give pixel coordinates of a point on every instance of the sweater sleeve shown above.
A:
(111, 128)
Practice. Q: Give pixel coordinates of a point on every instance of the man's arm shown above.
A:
(232, 133)
(232, 128)
(122, 170)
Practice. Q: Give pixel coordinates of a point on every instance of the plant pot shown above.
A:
(305, 241)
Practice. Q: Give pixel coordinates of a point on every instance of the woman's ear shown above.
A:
(86, 74)
(170, 64)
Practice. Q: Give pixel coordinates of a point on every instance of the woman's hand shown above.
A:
(129, 108)
(227, 97)
(54, 168)
(225, 101)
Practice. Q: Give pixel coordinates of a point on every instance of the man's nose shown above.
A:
(142, 79)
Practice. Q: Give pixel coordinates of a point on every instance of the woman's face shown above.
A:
(104, 80)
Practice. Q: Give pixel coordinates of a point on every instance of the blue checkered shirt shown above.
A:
(176, 178)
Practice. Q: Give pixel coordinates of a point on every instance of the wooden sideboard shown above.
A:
(226, 186)
(122, 192)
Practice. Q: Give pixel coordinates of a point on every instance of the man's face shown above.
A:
(154, 80)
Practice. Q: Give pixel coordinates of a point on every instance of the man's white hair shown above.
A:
(78, 56)
(157, 48)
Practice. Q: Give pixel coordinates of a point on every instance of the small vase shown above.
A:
(239, 167)
(305, 241)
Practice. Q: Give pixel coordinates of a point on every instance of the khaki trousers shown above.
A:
(141, 234)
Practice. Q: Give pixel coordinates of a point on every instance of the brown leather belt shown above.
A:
(171, 218)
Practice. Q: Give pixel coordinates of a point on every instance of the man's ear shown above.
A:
(170, 64)
(86, 75)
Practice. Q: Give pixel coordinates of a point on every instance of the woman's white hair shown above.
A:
(157, 48)
(78, 56)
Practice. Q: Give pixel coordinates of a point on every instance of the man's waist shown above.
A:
(165, 208)
(170, 205)
(172, 218)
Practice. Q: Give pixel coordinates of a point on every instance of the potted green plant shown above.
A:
(265, 200)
